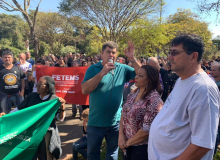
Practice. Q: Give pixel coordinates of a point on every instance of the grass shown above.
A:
(103, 152)
(217, 155)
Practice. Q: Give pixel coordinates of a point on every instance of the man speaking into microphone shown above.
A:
(104, 82)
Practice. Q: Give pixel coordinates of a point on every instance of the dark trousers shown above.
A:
(41, 153)
(80, 146)
(217, 139)
(136, 153)
(95, 135)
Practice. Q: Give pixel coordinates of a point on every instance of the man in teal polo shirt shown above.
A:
(104, 82)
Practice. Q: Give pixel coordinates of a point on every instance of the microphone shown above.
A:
(112, 71)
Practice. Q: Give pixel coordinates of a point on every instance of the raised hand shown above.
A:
(62, 101)
(129, 51)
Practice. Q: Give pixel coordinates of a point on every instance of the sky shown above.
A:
(170, 8)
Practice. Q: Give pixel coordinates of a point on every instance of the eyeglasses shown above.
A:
(174, 52)
(41, 85)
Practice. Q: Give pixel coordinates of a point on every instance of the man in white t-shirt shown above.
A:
(26, 68)
(186, 127)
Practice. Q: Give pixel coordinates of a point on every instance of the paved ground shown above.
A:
(70, 131)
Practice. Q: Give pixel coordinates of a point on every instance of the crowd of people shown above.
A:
(152, 108)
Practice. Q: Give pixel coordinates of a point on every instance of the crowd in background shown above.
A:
(151, 94)
(80, 59)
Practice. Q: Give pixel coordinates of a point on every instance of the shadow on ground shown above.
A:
(70, 131)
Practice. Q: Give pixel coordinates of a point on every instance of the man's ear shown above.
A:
(195, 56)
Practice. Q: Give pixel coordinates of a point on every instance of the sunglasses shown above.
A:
(174, 52)
(41, 85)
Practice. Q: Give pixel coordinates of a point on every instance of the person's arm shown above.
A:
(85, 126)
(121, 138)
(91, 84)
(193, 152)
(129, 52)
(151, 112)
(62, 113)
(33, 67)
(139, 137)
(22, 88)
(203, 130)
(2, 114)
(14, 110)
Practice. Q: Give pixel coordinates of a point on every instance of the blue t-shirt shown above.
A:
(100, 101)
(1, 61)
(31, 61)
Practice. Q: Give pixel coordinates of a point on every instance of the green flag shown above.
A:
(21, 132)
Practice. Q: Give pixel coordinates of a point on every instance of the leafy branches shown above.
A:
(111, 17)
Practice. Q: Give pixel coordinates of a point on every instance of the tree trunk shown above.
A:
(36, 47)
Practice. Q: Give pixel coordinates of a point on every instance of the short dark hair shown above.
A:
(50, 84)
(7, 52)
(109, 44)
(41, 61)
(76, 62)
(58, 57)
(191, 43)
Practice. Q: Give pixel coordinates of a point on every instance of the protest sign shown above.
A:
(68, 82)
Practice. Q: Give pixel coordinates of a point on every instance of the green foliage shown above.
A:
(185, 21)
(94, 42)
(6, 43)
(217, 155)
(112, 18)
(60, 34)
(103, 152)
(147, 36)
(67, 49)
(44, 48)
(210, 51)
(11, 33)
(152, 38)
(53, 29)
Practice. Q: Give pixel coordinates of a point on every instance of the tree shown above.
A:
(151, 37)
(12, 33)
(111, 17)
(54, 29)
(148, 37)
(185, 21)
(11, 29)
(205, 6)
(13, 5)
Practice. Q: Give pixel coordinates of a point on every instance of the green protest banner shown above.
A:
(21, 132)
